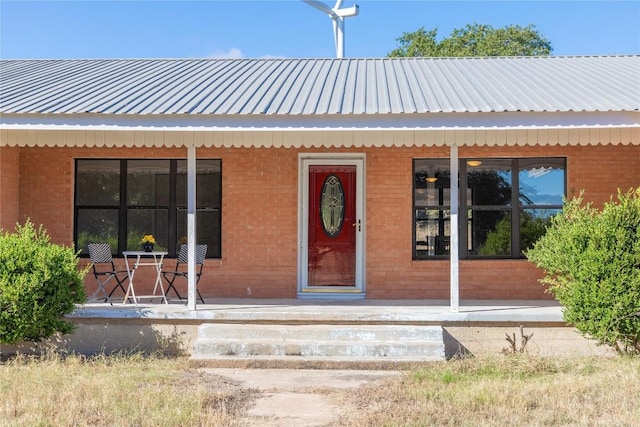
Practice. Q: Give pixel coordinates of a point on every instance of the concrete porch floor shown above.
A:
(478, 328)
(494, 312)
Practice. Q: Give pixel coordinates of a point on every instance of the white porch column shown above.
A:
(454, 243)
(191, 225)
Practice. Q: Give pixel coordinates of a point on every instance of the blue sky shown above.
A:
(255, 29)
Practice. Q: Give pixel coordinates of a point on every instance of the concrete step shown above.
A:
(249, 332)
(329, 342)
(315, 348)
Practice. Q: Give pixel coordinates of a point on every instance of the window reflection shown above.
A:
(490, 233)
(542, 181)
(148, 182)
(147, 221)
(533, 224)
(155, 194)
(207, 183)
(207, 229)
(490, 182)
(98, 182)
(97, 225)
(506, 204)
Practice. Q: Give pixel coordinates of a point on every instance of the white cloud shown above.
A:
(272, 56)
(233, 53)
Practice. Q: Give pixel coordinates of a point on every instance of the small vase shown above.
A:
(148, 247)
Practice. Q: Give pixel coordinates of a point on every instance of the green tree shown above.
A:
(39, 283)
(498, 239)
(474, 40)
(591, 261)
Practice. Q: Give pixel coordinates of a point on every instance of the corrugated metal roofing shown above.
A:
(320, 86)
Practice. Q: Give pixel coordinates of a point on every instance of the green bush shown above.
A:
(591, 261)
(39, 283)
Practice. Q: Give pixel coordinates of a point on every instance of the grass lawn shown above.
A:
(515, 390)
(507, 390)
(131, 390)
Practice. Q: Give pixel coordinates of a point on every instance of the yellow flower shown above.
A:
(148, 238)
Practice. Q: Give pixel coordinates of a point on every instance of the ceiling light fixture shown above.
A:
(474, 163)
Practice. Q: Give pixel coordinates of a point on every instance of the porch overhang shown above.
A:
(315, 131)
(433, 129)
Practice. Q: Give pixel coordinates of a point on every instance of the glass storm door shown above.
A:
(332, 227)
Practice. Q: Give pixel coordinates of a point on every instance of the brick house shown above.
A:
(320, 178)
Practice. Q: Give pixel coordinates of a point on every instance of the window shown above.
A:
(431, 208)
(505, 205)
(119, 201)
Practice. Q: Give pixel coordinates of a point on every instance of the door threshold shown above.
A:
(332, 295)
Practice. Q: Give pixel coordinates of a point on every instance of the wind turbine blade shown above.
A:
(339, 25)
(336, 36)
(347, 11)
(337, 16)
(321, 7)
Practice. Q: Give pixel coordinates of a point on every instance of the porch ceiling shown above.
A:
(313, 131)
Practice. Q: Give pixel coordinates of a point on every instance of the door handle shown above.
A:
(359, 224)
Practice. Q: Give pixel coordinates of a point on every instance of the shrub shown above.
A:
(39, 283)
(591, 261)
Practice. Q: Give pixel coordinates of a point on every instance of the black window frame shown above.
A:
(441, 182)
(465, 207)
(173, 207)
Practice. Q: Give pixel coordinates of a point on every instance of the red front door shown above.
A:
(332, 226)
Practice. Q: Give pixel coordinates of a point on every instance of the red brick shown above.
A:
(259, 214)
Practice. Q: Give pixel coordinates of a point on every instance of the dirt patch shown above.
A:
(286, 397)
(226, 395)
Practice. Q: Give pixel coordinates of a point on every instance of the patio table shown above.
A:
(143, 258)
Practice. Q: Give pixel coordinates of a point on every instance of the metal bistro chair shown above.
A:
(181, 269)
(104, 270)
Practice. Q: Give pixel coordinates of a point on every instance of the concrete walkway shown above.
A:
(297, 397)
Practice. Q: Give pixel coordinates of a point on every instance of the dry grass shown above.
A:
(134, 390)
(516, 390)
(131, 390)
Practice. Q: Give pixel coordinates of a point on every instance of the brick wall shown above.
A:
(46, 191)
(9, 187)
(259, 223)
(259, 214)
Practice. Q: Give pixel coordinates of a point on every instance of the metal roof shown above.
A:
(320, 86)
